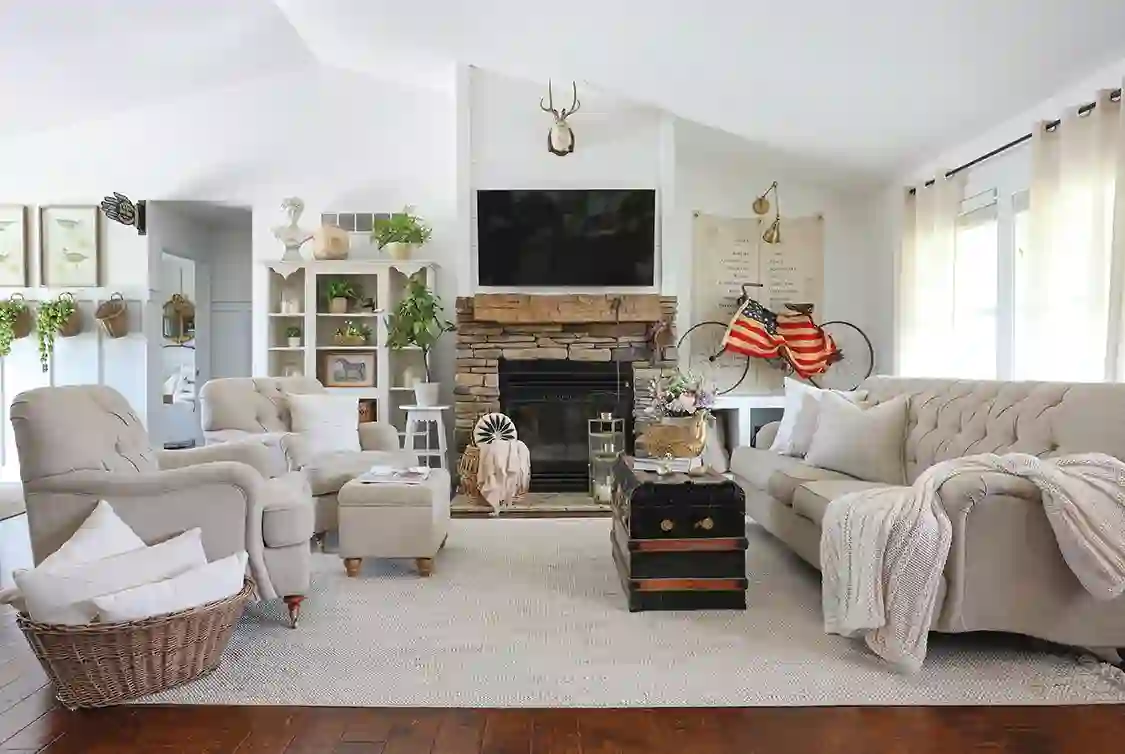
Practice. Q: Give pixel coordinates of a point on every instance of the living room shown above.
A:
(262, 148)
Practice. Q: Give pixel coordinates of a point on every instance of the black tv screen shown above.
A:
(566, 238)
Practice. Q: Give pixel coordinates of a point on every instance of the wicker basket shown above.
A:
(21, 328)
(107, 663)
(349, 340)
(73, 325)
(467, 469)
(114, 316)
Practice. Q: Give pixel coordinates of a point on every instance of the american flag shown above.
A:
(756, 331)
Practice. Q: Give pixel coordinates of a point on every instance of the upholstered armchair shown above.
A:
(78, 445)
(246, 408)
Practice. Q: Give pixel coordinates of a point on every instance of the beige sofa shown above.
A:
(1005, 571)
(81, 444)
(254, 408)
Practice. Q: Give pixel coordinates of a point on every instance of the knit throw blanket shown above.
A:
(883, 551)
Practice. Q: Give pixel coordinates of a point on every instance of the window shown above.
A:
(976, 286)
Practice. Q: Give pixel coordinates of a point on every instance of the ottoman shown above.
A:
(386, 520)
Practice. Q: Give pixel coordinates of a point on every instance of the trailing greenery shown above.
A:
(10, 312)
(342, 289)
(50, 318)
(292, 331)
(401, 227)
(416, 321)
(354, 330)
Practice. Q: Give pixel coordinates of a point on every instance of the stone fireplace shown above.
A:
(551, 362)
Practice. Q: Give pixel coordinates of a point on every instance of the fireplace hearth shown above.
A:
(551, 401)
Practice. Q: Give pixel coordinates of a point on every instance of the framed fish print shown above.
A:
(13, 246)
(69, 246)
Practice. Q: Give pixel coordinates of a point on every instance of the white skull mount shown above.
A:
(560, 139)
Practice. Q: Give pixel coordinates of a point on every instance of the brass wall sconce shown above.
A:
(762, 206)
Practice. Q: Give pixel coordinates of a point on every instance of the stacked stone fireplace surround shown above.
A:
(576, 327)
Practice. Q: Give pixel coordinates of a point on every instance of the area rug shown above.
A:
(529, 613)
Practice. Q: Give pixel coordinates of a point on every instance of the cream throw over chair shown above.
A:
(81, 444)
(247, 408)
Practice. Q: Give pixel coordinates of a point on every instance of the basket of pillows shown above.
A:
(111, 619)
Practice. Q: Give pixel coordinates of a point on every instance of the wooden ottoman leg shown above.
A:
(293, 602)
(425, 566)
(351, 566)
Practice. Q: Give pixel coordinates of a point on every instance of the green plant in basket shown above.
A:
(416, 321)
(401, 227)
(50, 318)
(10, 312)
(354, 331)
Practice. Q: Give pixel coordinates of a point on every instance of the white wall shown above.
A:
(229, 352)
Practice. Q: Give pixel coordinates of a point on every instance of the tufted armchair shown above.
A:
(81, 444)
(249, 408)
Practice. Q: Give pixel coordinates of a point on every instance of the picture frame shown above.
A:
(70, 246)
(14, 237)
(348, 368)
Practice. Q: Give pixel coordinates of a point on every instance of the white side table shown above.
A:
(418, 420)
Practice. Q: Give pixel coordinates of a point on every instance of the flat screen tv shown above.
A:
(566, 238)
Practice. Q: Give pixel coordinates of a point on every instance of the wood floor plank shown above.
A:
(415, 733)
(555, 731)
(320, 731)
(508, 732)
(31, 720)
(461, 732)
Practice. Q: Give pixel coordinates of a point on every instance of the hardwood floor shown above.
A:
(31, 721)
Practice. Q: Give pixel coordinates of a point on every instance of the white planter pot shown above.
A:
(338, 306)
(399, 250)
(294, 342)
(427, 393)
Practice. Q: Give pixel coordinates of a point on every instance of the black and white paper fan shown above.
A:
(493, 426)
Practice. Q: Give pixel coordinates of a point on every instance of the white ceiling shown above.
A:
(867, 85)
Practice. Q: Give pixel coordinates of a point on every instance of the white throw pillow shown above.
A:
(199, 586)
(867, 444)
(798, 422)
(795, 392)
(102, 535)
(327, 423)
(65, 594)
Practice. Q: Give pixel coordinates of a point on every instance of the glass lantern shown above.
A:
(606, 442)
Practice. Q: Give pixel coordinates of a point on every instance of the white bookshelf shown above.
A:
(302, 285)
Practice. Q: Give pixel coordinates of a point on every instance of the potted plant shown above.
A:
(15, 322)
(400, 233)
(340, 292)
(352, 334)
(293, 336)
(58, 317)
(416, 323)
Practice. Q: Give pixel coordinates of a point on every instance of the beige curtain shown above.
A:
(1070, 277)
(925, 279)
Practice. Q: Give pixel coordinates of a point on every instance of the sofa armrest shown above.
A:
(764, 439)
(224, 499)
(267, 461)
(378, 436)
(961, 492)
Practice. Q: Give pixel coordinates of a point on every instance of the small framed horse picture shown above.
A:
(348, 368)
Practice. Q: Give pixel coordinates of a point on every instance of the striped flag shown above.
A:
(753, 331)
(808, 348)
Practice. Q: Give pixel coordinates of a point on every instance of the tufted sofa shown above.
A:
(254, 408)
(81, 444)
(1005, 571)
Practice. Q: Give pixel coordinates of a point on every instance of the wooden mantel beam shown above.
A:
(522, 308)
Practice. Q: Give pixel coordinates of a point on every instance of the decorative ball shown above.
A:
(493, 426)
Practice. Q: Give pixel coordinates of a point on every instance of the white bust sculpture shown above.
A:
(291, 235)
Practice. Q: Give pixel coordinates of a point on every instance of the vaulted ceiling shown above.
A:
(866, 85)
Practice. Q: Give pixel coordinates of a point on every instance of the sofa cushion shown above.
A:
(778, 475)
(812, 498)
(288, 516)
(867, 444)
(329, 472)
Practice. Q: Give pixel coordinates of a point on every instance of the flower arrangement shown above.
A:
(681, 394)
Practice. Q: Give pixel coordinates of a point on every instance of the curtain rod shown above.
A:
(1115, 96)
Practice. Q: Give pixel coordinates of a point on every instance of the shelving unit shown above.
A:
(297, 297)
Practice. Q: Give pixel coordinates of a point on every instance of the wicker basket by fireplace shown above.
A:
(467, 469)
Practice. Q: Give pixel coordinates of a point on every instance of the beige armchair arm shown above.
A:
(378, 436)
(267, 461)
(224, 499)
(766, 433)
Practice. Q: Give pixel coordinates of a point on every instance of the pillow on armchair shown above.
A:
(326, 423)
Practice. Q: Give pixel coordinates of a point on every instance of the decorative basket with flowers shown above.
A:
(681, 404)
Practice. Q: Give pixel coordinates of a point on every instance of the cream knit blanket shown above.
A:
(883, 551)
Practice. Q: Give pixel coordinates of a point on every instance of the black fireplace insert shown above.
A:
(551, 402)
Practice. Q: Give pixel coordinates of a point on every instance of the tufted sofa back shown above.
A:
(954, 418)
(251, 404)
(78, 427)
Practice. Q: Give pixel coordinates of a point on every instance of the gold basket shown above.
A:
(678, 437)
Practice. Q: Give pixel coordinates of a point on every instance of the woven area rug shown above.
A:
(529, 613)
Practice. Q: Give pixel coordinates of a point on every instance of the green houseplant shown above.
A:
(352, 334)
(293, 336)
(55, 318)
(14, 322)
(339, 293)
(400, 233)
(417, 323)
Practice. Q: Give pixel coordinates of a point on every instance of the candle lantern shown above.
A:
(179, 319)
(606, 443)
